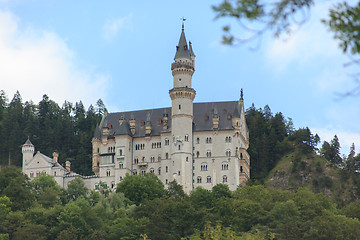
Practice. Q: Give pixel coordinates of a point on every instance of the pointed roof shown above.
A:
(182, 50)
(97, 133)
(28, 142)
(191, 50)
(124, 129)
(236, 113)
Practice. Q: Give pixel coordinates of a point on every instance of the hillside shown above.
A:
(314, 172)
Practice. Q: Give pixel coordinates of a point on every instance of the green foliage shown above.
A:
(47, 191)
(137, 187)
(76, 189)
(67, 130)
(345, 22)
(15, 185)
(257, 16)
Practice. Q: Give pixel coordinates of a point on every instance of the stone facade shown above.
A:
(196, 144)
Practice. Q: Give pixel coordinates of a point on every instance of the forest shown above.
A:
(297, 190)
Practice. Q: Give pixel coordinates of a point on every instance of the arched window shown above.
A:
(224, 166)
(208, 179)
(120, 152)
(121, 165)
(186, 138)
(227, 139)
(208, 153)
(179, 147)
(228, 153)
(166, 169)
(197, 154)
(134, 172)
(166, 141)
(241, 156)
(241, 169)
(197, 140)
(159, 158)
(166, 155)
(203, 167)
(159, 171)
(210, 140)
(224, 179)
(198, 179)
(108, 173)
(207, 140)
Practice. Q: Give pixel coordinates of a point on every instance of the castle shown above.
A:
(196, 144)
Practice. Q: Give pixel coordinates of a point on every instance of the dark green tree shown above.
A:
(137, 188)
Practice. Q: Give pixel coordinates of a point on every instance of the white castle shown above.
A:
(196, 144)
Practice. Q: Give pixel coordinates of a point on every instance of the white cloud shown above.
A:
(306, 45)
(112, 26)
(346, 138)
(38, 62)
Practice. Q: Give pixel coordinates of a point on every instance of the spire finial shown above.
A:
(241, 94)
(183, 20)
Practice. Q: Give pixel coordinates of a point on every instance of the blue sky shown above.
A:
(121, 52)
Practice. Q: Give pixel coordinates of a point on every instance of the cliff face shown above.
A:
(314, 172)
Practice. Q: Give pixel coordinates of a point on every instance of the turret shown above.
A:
(28, 150)
(182, 96)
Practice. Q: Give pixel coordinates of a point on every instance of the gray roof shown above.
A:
(124, 129)
(28, 142)
(182, 50)
(203, 113)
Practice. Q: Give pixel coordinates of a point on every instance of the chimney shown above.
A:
(132, 123)
(165, 120)
(67, 166)
(215, 119)
(55, 157)
(148, 124)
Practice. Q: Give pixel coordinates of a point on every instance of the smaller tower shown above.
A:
(28, 150)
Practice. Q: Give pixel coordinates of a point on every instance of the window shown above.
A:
(179, 147)
(208, 140)
(241, 156)
(136, 160)
(121, 165)
(112, 184)
(166, 169)
(186, 138)
(120, 152)
(197, 154)
(224, 179)
(228, 153)
(166, 181)
(120, 178)
(31, 174)
(108, 173)
(159, 158)
(134, 172)
(208, 179)
(187, 159)
(143, 172)
(166, 155)
(179, 173)
(179, 107)
(159, 170)
(166, 141)
(241, 169)
(224, 166)
(55, 174)
(199, 179)
(208, 154)
(37, 174)
(152, 159)
(229, 139)
(203, 167)
(152, 170)
(197, 140)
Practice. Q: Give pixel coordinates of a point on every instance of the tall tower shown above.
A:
(28, 150)
(182, 96)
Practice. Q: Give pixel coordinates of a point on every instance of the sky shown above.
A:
(121, 52)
